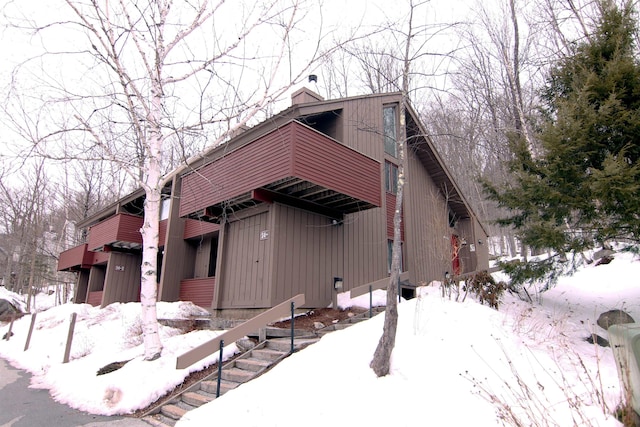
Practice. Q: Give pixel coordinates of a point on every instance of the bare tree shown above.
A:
(155, 75)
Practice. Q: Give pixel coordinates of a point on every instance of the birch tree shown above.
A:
(154, 77)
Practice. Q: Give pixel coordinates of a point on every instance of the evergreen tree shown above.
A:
(584, 189)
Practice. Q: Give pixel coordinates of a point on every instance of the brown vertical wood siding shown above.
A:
(122, 278)
(468, 259)
(118, 228)
(198, 291)
(310, 254)
(202, 255)
(293, 150)
(426, 214)
(365, 248)
(246, 265)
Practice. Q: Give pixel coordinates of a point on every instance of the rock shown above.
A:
(597, 339)
(318, 325)
(245, 344)
(8, 311)
(603, 253)
(614, 317)
(604, 260)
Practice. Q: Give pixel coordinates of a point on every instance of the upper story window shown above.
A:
(390, 130)
(165, 206)
(390, 178)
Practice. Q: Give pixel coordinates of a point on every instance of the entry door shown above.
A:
(246, 263)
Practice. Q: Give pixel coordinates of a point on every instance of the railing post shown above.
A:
(219, 368)
(67, 350)
(33, 322)
(370, 301)
(293, 320)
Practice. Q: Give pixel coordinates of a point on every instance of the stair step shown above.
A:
(252, 364)
(237, 375)
(284, 345)
(211, 386)
(197, 398)
(175, 411)
(266, 354)
(159, 420)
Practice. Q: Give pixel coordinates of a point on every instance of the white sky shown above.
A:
(441, 345)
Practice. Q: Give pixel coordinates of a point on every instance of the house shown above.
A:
(300, 203)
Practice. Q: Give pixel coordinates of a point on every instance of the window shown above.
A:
(390, 131)
(390, 178)
(165, 206)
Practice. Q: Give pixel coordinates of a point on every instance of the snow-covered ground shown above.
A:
(455, 363)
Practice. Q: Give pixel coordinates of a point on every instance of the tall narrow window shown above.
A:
(390, 178)
(390, 131)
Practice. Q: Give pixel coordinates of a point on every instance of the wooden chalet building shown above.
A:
(286, 207)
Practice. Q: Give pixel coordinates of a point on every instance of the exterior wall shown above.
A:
(309, 251)
(365, 248)
(366, 233)
(428, 247)
(175, 258)
(246, 265)
(82, 287)
(122, 278)
(482, 246)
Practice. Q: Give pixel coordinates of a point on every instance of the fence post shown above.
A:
(67, 350)
(8, 334)
(33, 322)
(293, 321)
(219, 368)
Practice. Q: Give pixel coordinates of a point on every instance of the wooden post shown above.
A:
(67, 350)
(33, 322)
(8, 335)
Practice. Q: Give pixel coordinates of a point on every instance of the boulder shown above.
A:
(603, 253)
(614, 317)
(8, 311)
(597, 339)
(245, 344)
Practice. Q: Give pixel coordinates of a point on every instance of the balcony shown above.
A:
(295, 165)
(121, 231)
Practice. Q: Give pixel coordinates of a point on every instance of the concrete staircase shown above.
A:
(246, 367)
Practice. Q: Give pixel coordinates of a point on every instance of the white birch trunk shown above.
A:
(151, 227)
